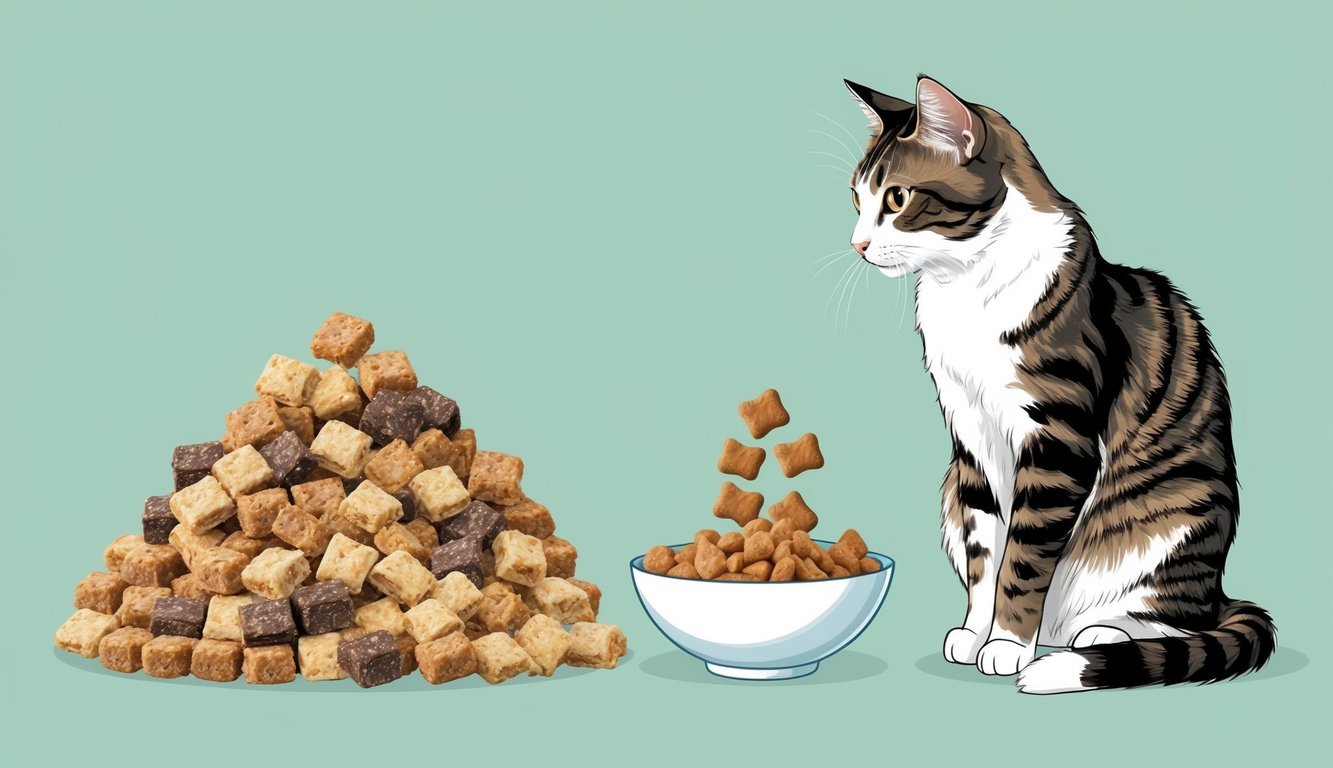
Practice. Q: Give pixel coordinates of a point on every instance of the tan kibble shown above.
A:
(799, 455)
(737, 577)
(784, 570)
(432, 449)
(708, 559)
(806, 570)
(869, 565)
(561, 557)
(593, 592)
(342, 339)
(595, 645)
(395, 537)
(424, 532)
(519, 558)
(686, 554)
(448, 658)
(341, 449)
(205, 504)
(545, 642)
(731, 542)
(382, 614)
(122, 650)
(844, 558)
(431, 619)
(370, 508)
(401, 577)
(242, 471)
(256, 511)
(191, 544)
(115, 552)
(256, 423)
(505, 613)
(318, 497)
(711, 535)
(740, 460)
(735, 562)
(302, 530)
(462, 452)
(839, 572)
(659, 559)
(219, 570)
(851, 539)
(760, 570)
(299, 420)
(759, 546)
(83, 632)
(764, 413)
(684, 571)
(152, 565)
(168, 656)
(268, 665)
(457, 592)
(275, 573)
(189, 585)
(290, 382)
(782, 530)
(136, 605)
(529, 517)
(224, 619)
(736, 505)
(804, 546)
(500, 657)
(561, 600)
(386, 370)
(496, 478)
(336, 394)
(794, 509)
(317, 657)
(101, 592)
(216, 660)
(781, 550)
(756, 525)
(393, 467)
(439, 494)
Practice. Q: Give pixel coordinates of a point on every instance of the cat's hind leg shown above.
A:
(1099, 634)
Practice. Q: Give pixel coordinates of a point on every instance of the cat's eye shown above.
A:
(856, 201)
(896, 198)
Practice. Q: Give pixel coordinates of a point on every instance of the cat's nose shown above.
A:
(861, 248)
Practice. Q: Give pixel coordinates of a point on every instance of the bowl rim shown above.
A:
(886, 563)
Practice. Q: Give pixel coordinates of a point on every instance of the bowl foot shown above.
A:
(741, 673)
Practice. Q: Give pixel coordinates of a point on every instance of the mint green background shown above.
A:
(596, 225)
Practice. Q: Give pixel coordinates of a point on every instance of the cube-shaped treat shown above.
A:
(407, 657)
(560, 557)
(519, 558)
(220, 570)
(392, 416)
(322, 607)
(395, 537)
(152, 565)
(410, 510)
(182, 616)
(336, 394)
(595, 645)
(269, 664)
(394, 467)
(545, 641)
(337, 522)
(302, 530)
(438, 494)
(300, 422)
(462, 556)
(168, 655)
(275, 573)
(382, 614)
(216, 660)
(496, 477)
(430, 620)
(432, 448)
(256, 423)
(203, 505)
(319, 497)
(347, 561)
(505, 613)
(101, 592)
(267, 622)
(386, 370)
(401, 577)
(257, 511)
(463, 450)
(478, 519)
(562, 601)
(457, 593)
(243, 471)
(529, 517)
(290, 382)
(122, 650)
(500, 657)
(370, 508)
(224, 618)
(82, 632)
(249, 546)
(439, 412)
(593, 592)
(342, 339)
(188, 585)
(114, 555)
(341, 449)
(448, 658)
(191, 463)
(289, 458)
(317, 657)
(189, 545)
(157, 519)
(372, 659)
(136, 606)
(424, 532)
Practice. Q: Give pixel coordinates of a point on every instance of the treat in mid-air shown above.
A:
(740, 460)
(799, 455)
(764, 413)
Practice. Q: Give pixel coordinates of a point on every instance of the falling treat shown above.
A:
(764, 413)
(740, 460)
(799, 455)
(736, 505)
(794, 509)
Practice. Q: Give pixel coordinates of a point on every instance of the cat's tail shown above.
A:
(1243, 641)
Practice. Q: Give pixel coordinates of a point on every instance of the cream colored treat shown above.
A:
(317, 657)
(290, 382)
(219, 570)
(458, 594)
(275, 573)
(341, 449)
(500, 657)
(370, 508)
(595, 645)
(430, 620)
(519, 558)
(348, 562)
(82, 632)
(545, 641)
(224, 618)
(115, 552)
(382, 614)
(243, 471)
(401, 577)
(136, 605)
(335, 394)
(561, 600)
(190, 544)
(439, 494)
(205, 504)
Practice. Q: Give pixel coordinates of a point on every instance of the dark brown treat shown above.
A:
(372, 659)
(462, 555)
(191, 463)
(477, 520)
(324, 606)
(256, 423)
(409, 506)
(101, 592)
(267, 622)
(182, 616)
(440, 412)
(342, 339)
(216, 660)
(269, 665)
(290, 460)
(157, 519)
(392, 416)
(299, 420)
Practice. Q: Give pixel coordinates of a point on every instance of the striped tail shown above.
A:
(1243, 641)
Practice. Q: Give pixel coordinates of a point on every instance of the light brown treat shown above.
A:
(519, 558)
(299, 420)
(407, 656)
(497, 588)
(268, 665)
(737, 577)
(783, 529)
(545, 642)
(424, 532)
(188, 585)
(256, 423)
(228, 526)
(432, 449)
(318, 497)
(122, 650)
(487, 563)
(804, 546)
(854, 542)
(843, 557)
(708, 533)
(341, 449)
(224, 618)
(395, 537)
(736, 505)
(386, 370)
(219, 570)
(783, 570)
(793, 508)
(659, 559)
(593, 592)
(760, 570)
(216, 660)
(505, 613)
(595, 645)
(500, 657)
(382, 614)
(438, 494)
(839, 572)
(764, 413)
(448, 658)
(684, 571)
(352, 633)
(869, 565)
(152, 565)
(457, 592)
(115, 552)
(529, 517)
(403, 578)
(431, 619)
(191, 544)
(257, 511)
(561, 557)
(168, 655)
(730, 542)
(496, 478)
(275, 573)
(317, 656)
(463, 450)
(336, 522)
(342, 339)
(738, 459)
(708, 559)
(82, 632)
(756, 525)
(101, 592)
(759, 546)
(799, 455)
(370, 508)
(290, 382)
(783, 549)
(736, 562)
(248, 546)
(393, 467)
(302, 530)
(205, 504)
(806, 570)
(336, 394)
(136, 605)
(242, 471)
(561, 600)
(686, 554)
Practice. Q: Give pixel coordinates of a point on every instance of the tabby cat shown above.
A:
(1092, 495)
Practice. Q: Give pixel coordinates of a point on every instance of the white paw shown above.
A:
(1099, 635)
(1003, 657)
(961, 646)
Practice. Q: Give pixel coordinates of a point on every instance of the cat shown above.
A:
(1092, 495)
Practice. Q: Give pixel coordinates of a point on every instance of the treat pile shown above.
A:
(776, 548)
(342, 527)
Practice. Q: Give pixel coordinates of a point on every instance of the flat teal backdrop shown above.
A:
(598, 225)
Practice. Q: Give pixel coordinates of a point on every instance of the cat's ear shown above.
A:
(879, 108)
(945, 122)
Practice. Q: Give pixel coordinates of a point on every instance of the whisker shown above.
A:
(820, 270)
(837, 141)
(832, 255)
(849, 285)
(841, 171)
(830, 154)
(847, 320)
(845, 272)
(841, 127)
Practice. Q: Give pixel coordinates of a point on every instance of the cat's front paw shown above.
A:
(1004, 657)
(961, 646)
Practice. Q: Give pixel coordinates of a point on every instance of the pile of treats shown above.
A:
(342, 528)
(776, 548)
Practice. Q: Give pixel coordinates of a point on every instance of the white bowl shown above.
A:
(762, 630)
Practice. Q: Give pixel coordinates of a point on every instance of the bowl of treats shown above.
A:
(767, 601)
